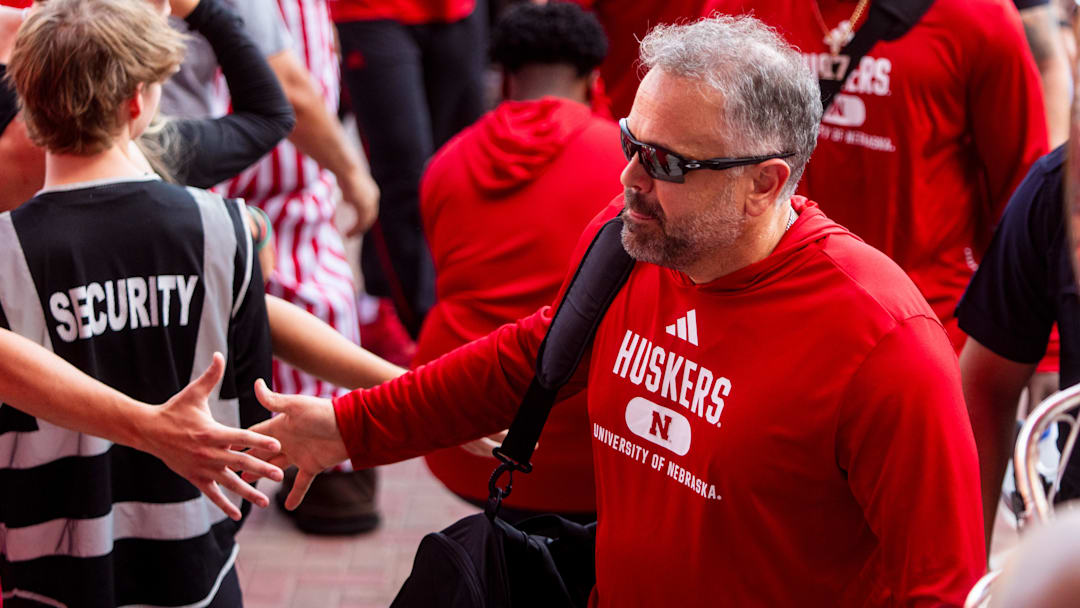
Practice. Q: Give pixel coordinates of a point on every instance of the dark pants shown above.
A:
(412, 88)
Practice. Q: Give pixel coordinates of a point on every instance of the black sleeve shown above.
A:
(1009, 306)
(9, 107)
(214, 150)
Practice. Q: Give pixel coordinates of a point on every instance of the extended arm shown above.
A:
(466, 394)
(181, 432)
(305, 342)
(319, 135)
(992, 386)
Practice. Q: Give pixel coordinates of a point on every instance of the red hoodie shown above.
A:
(503, 205)
(790, 434)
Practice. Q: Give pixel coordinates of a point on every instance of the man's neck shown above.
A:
(536, 81)
(112, 163)
(755, 244)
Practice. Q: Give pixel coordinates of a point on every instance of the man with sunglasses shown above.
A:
(776, 412)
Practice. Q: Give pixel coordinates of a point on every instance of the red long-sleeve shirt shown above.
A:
(792, 433)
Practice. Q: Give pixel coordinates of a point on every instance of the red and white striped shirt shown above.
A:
(298, 195)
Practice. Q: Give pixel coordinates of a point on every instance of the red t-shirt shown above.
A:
(503, 205)
(928, 139)
(409, 12)
(790, 434)
(627, 22)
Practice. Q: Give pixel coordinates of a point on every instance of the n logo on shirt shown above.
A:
(660, 425)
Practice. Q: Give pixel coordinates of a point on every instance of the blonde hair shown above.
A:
(75, 64)
(163, 148)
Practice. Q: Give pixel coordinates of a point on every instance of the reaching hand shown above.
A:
(308, 432)
(359, 191)
(184, 435)
(483, 446)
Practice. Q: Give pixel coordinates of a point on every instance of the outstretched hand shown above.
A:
(308, 432)
(185, 436)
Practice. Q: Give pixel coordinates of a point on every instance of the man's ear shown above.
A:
(769, 178)
(135, 104)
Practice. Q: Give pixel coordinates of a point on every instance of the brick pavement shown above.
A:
(280, 567)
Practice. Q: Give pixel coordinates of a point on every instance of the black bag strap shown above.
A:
(887, 20)
(598, 278)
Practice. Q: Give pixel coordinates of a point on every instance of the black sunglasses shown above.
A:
(668, 166)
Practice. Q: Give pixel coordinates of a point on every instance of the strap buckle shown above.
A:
(509, 462)
(497, 494)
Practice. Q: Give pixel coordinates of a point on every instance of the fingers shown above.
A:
(270, 400)
(480, 447)
(210, 378)
(240, 438)
(246, 491)
(211, 490)
(278, 460)
(240, 461)
(300, 488)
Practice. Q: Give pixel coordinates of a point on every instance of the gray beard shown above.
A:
(659, 248)
(679, 246)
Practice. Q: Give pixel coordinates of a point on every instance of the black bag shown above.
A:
(546, 561)
(485, 562)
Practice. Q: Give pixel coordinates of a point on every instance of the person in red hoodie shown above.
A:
(494, 269)
(797, 438)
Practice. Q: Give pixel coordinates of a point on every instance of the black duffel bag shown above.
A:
(481, 562)
(546, 561)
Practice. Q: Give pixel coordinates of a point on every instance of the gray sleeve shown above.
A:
(263, 23)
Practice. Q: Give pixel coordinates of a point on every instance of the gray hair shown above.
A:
(772, 102)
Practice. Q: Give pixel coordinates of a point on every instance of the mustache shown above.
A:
(643, 204)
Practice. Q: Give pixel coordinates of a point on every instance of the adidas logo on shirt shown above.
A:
(685, 327)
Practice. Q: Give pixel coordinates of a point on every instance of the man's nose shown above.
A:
(634, 176)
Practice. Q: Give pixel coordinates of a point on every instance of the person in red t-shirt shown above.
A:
(413, 70)
(922, 148)
(494, 269)
(776, 412)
